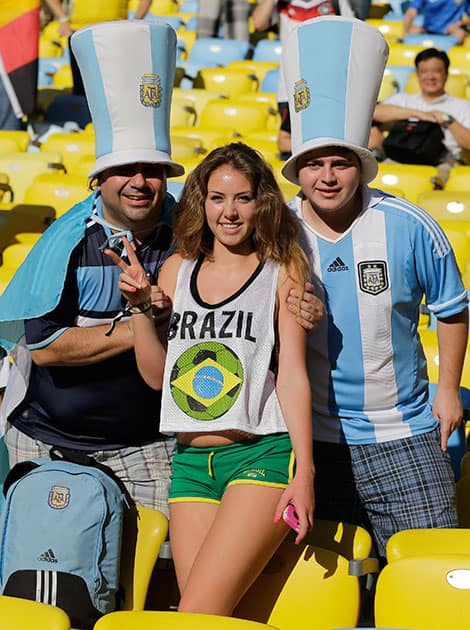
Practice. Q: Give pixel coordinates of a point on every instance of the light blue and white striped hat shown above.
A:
(128, 70)
(333, 68)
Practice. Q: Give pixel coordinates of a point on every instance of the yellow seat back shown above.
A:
(446, 205)
(24, 614)
(410, 543)
(412, 179)
(424, 593)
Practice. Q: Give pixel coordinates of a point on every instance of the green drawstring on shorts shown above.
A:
(210, 470)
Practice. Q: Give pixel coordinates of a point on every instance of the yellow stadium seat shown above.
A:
(391, 30)
(419, 542)
(5, 188)
(60, 191)
(198, 96)
(49, 47)
(209, 138)
(25, 614)
(229, 81)
(403, 54)
(182, 112)
(186, 39)
(258, 68)
(459, 57)
(388, 86)
(459, 179)
(28, 238)
(62, 77)
(288, 189)
(267, 148)
(22, 167)
(458, 233)
(412, 179)
(13, 255)
(242, 117)
(302, 589)
(21, 139)
(446, 205)
(141, 547)
(189, 164)
(72, 146)
(165, 620)
(424, 593)
(391, 189)
(184, 147)
(456, 84)
(83, 166)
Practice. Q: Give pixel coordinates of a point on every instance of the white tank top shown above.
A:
(219, 370)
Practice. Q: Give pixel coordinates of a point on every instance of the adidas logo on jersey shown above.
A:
(47, 556)
(338, 265)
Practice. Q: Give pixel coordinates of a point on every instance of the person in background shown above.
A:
(431, 103)
(229, 15)
(380, 444)
(86, 12)
(444, 17)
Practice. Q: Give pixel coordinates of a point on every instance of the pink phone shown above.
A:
(290, 517)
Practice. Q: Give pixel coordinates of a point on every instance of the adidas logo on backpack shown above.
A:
(47, 556)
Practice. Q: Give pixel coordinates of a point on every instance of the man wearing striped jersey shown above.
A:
(380, 445)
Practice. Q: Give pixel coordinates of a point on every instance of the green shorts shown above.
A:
(203, 474)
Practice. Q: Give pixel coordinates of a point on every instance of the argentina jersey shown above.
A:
(366, 365)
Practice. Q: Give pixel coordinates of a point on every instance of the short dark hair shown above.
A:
(430, 53)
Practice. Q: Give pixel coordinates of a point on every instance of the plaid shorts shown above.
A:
(232, 15)
(386, 487)
(145, 470)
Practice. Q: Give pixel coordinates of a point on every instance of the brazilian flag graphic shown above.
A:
(206, 380)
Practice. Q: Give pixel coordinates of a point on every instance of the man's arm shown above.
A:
(408, 19)
(142, 9)
(85, 346)
(452, 335)
(262, 14)
(388, 113)
(460, 133)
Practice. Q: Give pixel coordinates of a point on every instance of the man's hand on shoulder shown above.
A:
(307, 307)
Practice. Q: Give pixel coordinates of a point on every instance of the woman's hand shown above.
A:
(300, 493)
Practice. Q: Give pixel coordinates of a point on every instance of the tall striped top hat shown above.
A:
(333, 68)
(128, 70)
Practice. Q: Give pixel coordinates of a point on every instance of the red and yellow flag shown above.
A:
(19, 43)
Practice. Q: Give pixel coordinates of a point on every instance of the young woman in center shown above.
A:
(233, 375)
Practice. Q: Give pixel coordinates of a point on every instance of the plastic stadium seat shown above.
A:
(208, 138)
(22, 168)
(424, 593)
(236, 115)
(182, 112)
(401, 74)
(5, 188)
(418, 542)
(388, 86)
(24, 614)
(413, 179)
(258, 68)
(16, 218)
(83, 166)
(62, 77)
(267, 50)
(392, 31)
(403, 54)
(459, 179)
(271, 81)
(446, 205)
(197, 96)
(141, 548)
(183, 147)
(158, 6)
(164, 620)
(456, 84)
(459, 57)
(13, 255)
(431, 40)
(72, 146)
(60, 191)
(301, 589)
(228, 81)
(20, 139)
(210, 52)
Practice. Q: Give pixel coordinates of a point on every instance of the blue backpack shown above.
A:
(61, 532)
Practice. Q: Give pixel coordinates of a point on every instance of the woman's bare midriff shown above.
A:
(218, 438)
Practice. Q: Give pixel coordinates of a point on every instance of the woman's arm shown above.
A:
(293, 391)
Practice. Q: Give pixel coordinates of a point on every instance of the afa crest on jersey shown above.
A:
(150, 90)
(373, 276)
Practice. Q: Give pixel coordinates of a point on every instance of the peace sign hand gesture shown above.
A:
(133, 282)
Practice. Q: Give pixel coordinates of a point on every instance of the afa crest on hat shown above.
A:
(128, 70)
(333, 68)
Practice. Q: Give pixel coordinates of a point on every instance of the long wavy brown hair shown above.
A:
(276, 227)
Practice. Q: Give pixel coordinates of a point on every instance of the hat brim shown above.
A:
(133, 156)
(369, 166)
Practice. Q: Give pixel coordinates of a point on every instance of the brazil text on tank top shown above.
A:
(219, 370)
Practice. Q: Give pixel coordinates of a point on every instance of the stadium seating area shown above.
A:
(226, 90)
